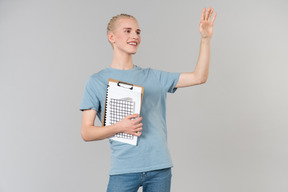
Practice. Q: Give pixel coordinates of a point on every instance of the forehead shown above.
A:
(127, 23)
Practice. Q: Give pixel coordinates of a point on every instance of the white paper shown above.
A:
(125, 94)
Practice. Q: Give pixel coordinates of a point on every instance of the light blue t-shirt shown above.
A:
(151, 151)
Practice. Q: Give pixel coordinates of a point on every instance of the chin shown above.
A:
(133, 52)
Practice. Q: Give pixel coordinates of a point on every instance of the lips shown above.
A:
(134, 43)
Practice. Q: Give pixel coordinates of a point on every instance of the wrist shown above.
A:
(205, 40)
(115, 128)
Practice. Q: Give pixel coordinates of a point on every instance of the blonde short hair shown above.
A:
(114, 19)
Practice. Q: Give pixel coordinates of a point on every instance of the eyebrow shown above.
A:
(131, 28)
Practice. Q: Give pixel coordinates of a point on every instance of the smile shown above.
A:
(132, 43)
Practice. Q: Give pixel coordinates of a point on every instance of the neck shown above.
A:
(122, 61)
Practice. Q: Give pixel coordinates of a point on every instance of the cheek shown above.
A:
(121, 37)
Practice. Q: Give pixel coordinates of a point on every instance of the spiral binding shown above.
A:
(106, 104)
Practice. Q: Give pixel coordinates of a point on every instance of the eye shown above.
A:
(128, 30)
(138, 32)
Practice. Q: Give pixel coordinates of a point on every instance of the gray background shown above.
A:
(229, 134)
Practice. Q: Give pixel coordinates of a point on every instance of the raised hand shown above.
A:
(206, 24)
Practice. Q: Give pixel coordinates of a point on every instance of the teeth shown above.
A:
(132, 43)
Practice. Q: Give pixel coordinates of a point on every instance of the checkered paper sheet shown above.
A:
(120, 108)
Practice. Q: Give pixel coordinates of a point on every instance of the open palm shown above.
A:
(206, 24)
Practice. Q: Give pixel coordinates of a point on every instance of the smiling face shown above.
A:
(125, 36)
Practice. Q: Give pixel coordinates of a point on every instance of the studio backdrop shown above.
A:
(227, 135)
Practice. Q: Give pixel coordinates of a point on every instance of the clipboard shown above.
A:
(122, 99)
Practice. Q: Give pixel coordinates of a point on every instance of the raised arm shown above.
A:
(200, 73)
(89, 132)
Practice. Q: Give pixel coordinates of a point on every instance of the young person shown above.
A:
(147, 164)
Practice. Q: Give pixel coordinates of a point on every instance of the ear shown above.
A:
(111, 37)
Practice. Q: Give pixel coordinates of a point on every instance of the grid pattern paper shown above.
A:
(119, 109)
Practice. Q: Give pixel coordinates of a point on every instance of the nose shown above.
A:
(134, 35)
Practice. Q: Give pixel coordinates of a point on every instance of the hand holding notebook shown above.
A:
(131, 124)
(122, 99)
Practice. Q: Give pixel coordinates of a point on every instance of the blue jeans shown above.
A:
(152, 181)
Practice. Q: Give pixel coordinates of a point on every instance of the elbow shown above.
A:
(200, 78)
(200, 81)
(203, 80)
(88, 136)
(84, 135)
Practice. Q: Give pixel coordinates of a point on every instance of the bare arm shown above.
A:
(200, 74)
(89, 132)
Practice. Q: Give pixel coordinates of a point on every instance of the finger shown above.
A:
(136, 127)
(132, 116)
(139, 125)
(210, 14)
(138, 120)
(207, 13)
(203, 14)
(139, 129)
(137, 134)
(214, 17)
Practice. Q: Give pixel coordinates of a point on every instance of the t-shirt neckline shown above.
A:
(132, 69)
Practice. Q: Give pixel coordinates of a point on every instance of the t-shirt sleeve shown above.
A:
(167, 80)
(89, 98)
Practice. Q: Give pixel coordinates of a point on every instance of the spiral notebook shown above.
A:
(122, 99)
